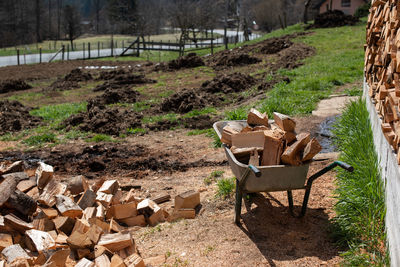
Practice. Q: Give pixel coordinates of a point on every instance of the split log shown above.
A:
(104, 198)
(50, 212)
(109, 187)
(230, 129)
(129, 197)
(139, 220)
(250, 139)
(17, 166)
(157, 216)
(117, 261)
(39, 240)
(7, 187)
(85, 263)
(43, 224)
(64, 224)
(102, 261)
(293, 153)
(101, 250)
(17, 224)
(187, 200)
(84, 253)
(155, 261)
(53, 188)
(78, 184)
(273, 147)
(81, 225)
(67, 207)
(122, 211)
(26, 185)
(100, 212)
(254, 158)
(14, 252)
(58, 258)
(117, 197)
(134, 260)
(22, 203)
(5, 241)
(164, 197)
(245, 151)
(79, 240)
(94, 233)
(284, 122)
(87, 199)
(115, 227)
(116, 242)
(255, 118)
(44, 173)
(89, 212)
(182, 214)
(313, 148)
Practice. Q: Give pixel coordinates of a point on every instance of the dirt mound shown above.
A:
(231, 58)
(183, 101)
(136, 161)
(289, 58)
(111, 74)
(228, 83)
(335, 18)
(105, 120)
(70, 81)
(207, 94)
(198, 122)
(15, 117)
(191, 60)
(120, 95)
(119, 79)
(275, 45)
(13, 85)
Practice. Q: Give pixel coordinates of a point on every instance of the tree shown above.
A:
(123, 12)
(38, 12)
(71, 23)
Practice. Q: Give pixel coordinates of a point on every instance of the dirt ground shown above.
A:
(168, 160)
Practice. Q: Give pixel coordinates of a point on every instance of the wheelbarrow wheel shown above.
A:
(238, 202)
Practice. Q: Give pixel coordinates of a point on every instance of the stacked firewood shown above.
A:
(50, 223)
(382, 66)
(262, 144)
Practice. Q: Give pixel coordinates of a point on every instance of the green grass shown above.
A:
(338, 60)
(40, 139)
(355, 91)
(360, 210)
(27, 97)
(213, 177)
(226, 187)
(237, 114)
(199, 112)
(199, 132)
(157, 118)
(136, 131)
(57, 113)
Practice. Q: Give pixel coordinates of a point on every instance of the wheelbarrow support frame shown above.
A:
(240, 185)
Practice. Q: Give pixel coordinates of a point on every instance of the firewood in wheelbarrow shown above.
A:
(254, 158)
(249, 139)
(284, 122)
(313, 148)
(273, 147)
(255, 118)
(230, 129)
(294, 153)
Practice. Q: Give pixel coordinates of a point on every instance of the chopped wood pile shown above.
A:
(44, 222)
(263, 144)
(382, 66)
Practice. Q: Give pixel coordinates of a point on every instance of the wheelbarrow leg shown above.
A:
(238, 202)
(290, 200)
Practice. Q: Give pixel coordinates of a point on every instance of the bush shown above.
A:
(363, 10)
(360, 210)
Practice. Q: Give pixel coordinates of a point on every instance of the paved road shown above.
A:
(35, 58)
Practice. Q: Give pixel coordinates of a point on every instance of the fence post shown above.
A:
(83, 46)
(88, 49)
(40, 54)
(62, 52)
(67, 51)
(123, 45)
(18, 56)
(212, 42)
(112, 48)
(98, 49)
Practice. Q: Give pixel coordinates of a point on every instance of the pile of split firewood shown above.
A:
(262, 144)
(44, 222)
(382, 66)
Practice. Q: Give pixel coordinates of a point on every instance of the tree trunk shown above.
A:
(305, 15)
(330, 5)
(49, 30)
(37, 11)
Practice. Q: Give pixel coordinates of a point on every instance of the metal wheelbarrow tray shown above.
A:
(251, 179)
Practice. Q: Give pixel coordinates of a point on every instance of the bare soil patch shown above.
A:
(120, 78)
(13, 85)
(104, 120)
(191, 60)
(15, 117)
(212, 92)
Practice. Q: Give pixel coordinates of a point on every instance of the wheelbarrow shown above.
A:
(252, 179)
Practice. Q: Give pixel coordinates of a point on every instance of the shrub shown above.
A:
(226, 187)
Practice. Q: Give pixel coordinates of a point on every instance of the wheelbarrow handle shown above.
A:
(345, 166)
(256, 171)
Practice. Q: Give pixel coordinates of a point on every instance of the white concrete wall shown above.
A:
(391, 177)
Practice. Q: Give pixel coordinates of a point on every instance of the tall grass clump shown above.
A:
(360, 210)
